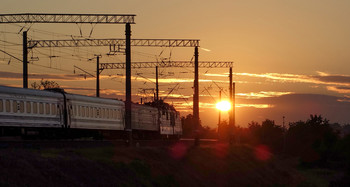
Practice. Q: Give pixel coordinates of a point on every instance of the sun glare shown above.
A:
(223, 105)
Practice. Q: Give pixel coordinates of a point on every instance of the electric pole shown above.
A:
(97, 75)
(25, 60)
(128, 127)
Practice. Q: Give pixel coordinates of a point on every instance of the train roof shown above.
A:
(28, 91)
(161, 104)
(94, 99)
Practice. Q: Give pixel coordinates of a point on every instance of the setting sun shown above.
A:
(223, 105)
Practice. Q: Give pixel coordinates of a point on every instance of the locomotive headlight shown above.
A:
(223, 105)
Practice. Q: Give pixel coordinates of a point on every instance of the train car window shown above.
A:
(35, 107)
(96, 112)
(1, 106)
(87, 111)
(21, 106)
(74, 113)
(14, 106)
(111, 113)
(91, 112)
(78, 111)
(53, 109)
(102, 112)
(41, 108)
(106, 113)
(8, 106)
(47, 108)
(28, 107)
(83, 111)
(114, 113)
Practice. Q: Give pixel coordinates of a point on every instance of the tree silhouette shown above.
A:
(268, 133)
(313, 141)
(44, 84)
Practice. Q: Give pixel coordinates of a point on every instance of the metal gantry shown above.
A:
(67, 18)
(113, 43)
(202, 64)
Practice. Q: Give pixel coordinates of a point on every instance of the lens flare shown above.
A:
(223, 105)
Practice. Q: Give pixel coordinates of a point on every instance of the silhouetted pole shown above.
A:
(128, 128)
(231, 111)
(25, 60)
(196, 96)
(233, 104)
(219, 124)
(98, 76)
(157, 86)
(219, 110)
(284, 136)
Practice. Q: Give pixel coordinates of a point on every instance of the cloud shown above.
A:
(257, 95)
(255, 105)
(335, 83)
(339, 89)
(333, 79)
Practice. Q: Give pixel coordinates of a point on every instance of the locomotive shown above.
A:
(55, 114)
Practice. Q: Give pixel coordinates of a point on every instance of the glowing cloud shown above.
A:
(255, 105)
(262, 94)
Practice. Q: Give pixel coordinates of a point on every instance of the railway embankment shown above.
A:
(177, 164)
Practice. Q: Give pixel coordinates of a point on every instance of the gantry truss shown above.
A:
(204, 64)
(68, 18)
(116, 43)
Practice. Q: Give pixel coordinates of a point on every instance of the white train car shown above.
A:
(28, 108)
(95, 113)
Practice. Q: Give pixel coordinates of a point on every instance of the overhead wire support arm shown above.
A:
(68, 18)
(114, 42)
(204, 64)
(84, 71)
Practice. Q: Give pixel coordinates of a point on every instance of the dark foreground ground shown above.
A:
(176, 165)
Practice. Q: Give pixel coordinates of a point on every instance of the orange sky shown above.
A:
(284, 51)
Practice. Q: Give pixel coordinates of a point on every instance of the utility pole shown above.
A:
(196, 96)
(284, 136)
(97, 75)
(233, 104)
(231, 112)
(219, 124)
(157, 85)
(25, 60)
(128, 127)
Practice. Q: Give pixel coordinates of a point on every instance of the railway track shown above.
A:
(46, 144)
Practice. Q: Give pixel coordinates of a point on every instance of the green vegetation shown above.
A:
(317, 144)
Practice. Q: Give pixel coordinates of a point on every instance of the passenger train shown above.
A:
(56, 114)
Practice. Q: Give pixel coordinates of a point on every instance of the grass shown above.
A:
(316, 176)
(50, 153)
(214, 165)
